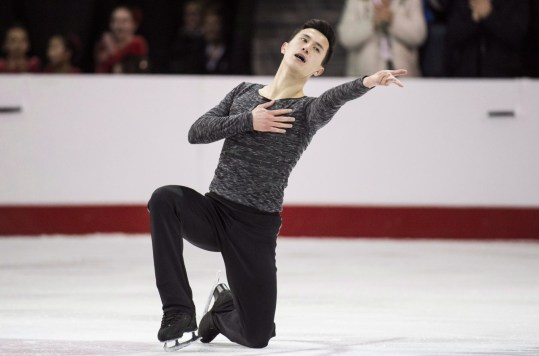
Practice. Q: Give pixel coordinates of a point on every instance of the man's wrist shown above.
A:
(367, 82)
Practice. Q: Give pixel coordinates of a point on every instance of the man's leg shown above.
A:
(175, 213)
(249, 256)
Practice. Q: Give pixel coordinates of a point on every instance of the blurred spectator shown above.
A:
(382, 34)
(131, 65)
(432, 53)
(485, 37)
(62, 53)
(202, 48)
(188, 49)
(16, 47)
(216, 50)
(121, 42)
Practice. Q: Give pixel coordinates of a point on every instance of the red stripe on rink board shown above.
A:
(300, 221)
(415, 222)
(36, 220)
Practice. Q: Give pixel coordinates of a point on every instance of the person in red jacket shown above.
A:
(16, 46)
(121, 42)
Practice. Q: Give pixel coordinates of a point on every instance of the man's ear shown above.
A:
(319, 72)
(284, 46)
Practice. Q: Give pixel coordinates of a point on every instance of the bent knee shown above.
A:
(258, 340)
(163, 196)
(257, 344)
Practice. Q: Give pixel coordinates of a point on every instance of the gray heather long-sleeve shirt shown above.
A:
(254, 166)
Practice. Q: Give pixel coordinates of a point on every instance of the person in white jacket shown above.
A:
(382, 34)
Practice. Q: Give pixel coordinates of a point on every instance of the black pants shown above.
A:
(246, 239)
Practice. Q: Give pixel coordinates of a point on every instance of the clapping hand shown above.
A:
(480, 9)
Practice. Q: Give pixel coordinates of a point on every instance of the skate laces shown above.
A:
(170, 318)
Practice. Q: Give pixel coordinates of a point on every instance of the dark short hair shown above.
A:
(324, 28)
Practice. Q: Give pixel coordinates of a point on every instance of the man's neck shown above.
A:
(285, 84)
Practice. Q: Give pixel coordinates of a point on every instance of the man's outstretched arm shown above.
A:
(323, 108)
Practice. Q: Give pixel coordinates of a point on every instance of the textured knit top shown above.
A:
(254, 166)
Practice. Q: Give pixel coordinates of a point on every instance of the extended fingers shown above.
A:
(384, 77)
(398, 72)
(393, 80)
(389, 79)
(397, 82)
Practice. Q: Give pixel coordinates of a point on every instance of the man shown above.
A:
(266, 129)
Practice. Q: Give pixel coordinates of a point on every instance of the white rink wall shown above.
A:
(103, 139)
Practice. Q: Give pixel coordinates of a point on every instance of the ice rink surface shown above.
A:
(96, 295)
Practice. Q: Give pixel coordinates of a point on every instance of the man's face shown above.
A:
(306, 51)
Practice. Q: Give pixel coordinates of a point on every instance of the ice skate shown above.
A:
(222, 299)
(173, 327)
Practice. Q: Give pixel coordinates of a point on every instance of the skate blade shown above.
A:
(208, 303)
(180, 345)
